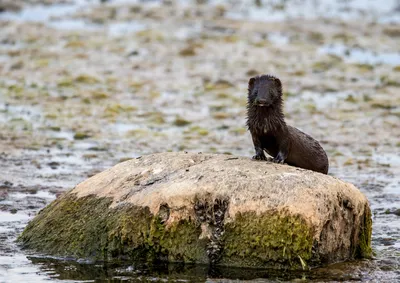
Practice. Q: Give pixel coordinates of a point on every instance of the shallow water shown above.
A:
(345, 10)
(353, 109)
(362, 56)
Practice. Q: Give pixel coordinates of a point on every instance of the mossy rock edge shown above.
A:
(88, 228)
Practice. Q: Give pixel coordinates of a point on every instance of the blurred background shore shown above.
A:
(87, 84)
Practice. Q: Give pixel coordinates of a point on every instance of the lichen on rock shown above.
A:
(205, 208)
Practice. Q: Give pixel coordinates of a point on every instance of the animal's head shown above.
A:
(264, 91)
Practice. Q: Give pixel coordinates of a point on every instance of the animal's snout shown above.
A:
(261, 101)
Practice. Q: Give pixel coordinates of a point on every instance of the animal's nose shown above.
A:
(261, 101)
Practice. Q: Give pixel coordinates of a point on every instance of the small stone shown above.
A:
(53, 165)
(81, 136)
(397, 212)
(180, 122)
(188, 51)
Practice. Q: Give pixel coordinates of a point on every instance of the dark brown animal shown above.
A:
(269, 131)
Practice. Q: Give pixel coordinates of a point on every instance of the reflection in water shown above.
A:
(72, 270)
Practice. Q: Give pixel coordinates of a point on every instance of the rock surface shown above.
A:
(207, 208)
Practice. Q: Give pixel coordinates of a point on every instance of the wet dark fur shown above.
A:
(269, 131)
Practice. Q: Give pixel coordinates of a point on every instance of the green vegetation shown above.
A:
(87, 227)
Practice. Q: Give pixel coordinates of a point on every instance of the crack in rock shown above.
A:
(211, 217)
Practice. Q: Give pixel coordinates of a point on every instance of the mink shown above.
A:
(270, 133)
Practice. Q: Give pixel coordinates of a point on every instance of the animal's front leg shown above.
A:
(257, 146)
(259, 154)
(283, 152)
(280, 157)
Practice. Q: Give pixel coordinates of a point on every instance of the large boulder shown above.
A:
(207, 208)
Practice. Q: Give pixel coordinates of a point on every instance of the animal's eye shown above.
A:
(255, 92)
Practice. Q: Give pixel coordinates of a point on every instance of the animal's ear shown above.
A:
(277, 82)
(251, 82)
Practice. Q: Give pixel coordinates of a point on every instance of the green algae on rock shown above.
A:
(206, 208)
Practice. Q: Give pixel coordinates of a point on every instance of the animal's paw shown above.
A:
(278, 160)
(259, 157)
